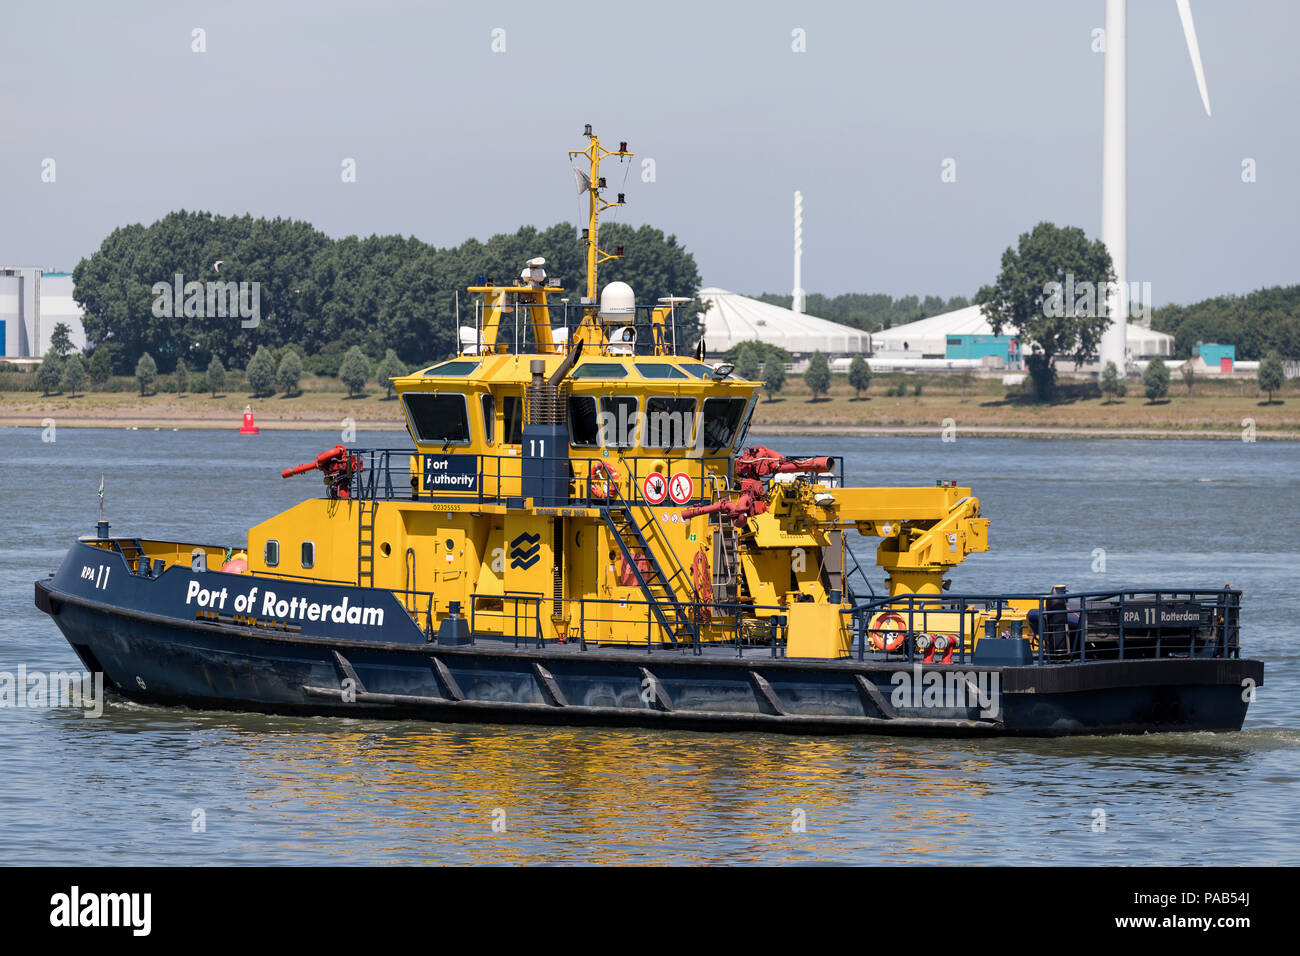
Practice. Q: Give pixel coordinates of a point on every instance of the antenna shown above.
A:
(591, 183)
(797, 298)
(101, 529)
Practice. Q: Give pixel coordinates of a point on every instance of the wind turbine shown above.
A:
(1114, 212)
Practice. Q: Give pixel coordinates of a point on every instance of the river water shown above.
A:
(133, 786)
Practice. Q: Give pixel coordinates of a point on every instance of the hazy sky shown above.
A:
(452, 140)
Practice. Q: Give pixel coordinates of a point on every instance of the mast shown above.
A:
(592, 183)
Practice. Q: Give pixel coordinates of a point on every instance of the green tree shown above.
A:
(1271, 375)
(818, 375)
(289, 373)
(391, 367)
(50, 373)
(74, 375)
(1112, 385)
(749, 362)
(1189, 375)
(773, 375)
(1155, 380)
(216, 376)
(261, 373)
(859, 375)
(182, 376)
(101, 365)
(146, 371)
(61, 341)
(354, 370)
(1029, 294)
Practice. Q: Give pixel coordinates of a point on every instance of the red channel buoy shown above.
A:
(248, 428)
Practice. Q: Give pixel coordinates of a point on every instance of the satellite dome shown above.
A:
(617, 302)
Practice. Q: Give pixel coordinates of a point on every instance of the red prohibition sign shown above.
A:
(681, 488)
(655, 488)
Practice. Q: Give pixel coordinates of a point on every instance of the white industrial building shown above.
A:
(964, 336)
(32, 302)
(730, 319)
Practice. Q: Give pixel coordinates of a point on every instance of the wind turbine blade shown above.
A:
(1189, 31)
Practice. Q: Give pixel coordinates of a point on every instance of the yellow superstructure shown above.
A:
(573, 477)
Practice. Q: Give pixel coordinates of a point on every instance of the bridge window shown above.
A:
(489, 417)
(512, 420)
(722, 418)
(453, 368)
(438, 418)
(271, 552)
(618, 420)
(308, 557)
(584, 429)
(698, 369)
(659, 370)
(600, 370)
(670, 422)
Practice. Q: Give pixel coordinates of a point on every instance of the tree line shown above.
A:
(327, 296)
(870, 312)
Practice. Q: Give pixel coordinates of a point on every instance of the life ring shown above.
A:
(600, 477)
(888, 639)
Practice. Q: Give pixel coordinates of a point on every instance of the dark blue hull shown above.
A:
(152, 647)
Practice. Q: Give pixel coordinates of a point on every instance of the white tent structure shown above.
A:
(929, 337)
(730, 319)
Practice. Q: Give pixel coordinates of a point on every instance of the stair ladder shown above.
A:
(366, 543)
(657, 587)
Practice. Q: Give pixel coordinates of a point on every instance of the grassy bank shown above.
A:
(1214, 409)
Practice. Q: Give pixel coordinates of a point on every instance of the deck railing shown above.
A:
(1064, 627)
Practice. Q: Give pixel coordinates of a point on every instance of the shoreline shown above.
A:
(190, 423)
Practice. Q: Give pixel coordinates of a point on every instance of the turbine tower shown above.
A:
(797, 298)
(1114, 176)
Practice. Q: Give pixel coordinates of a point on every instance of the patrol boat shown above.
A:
(580, 534)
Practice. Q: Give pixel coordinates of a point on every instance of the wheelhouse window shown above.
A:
(618, 421)
(599, 370)
(584, 426)
(489, 418)
(722, 418)
(659, 370)
(453, 368)
(669, 422)
(271, 553)
(698, 369)
(308, 557)
(439, 418)
(512, 420)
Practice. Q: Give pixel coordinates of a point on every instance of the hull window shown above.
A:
(271, 553)
(308, 555)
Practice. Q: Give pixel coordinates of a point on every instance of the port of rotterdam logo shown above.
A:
(525, 551)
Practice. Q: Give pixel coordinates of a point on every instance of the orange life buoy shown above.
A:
(890, 638)
(600, 476)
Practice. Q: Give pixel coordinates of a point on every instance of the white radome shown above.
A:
(617, 302)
